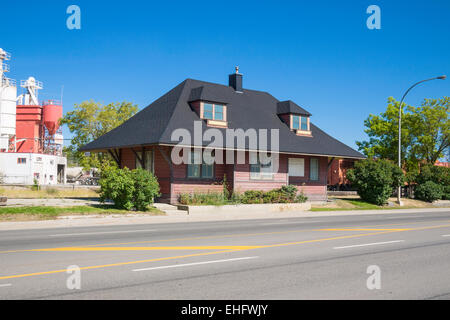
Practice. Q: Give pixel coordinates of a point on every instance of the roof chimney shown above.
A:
(235, 80)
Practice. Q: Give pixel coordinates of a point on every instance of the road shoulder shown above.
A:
(116, 220)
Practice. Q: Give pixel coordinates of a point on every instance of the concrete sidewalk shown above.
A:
(131, 219)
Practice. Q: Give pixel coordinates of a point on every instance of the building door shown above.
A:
(61, 169)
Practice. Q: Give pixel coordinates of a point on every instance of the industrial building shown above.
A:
(30, 138)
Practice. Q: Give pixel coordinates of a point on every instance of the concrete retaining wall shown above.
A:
(247, 208)
(342, 193)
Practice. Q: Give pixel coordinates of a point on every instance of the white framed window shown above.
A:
(296, 167)
(300, 123)
(260, 169)
(197, 168)
(213, 111)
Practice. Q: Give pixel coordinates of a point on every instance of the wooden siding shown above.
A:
(314, 190)
(195, 105)
(183, 184)
(243, 182)
(161, 167)
(238, 176)
(286, 118)
(337, 174)
(128, 159)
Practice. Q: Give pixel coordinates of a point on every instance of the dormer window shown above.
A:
(300, 123)
(214, 113)
(210, 105)
(295, 117)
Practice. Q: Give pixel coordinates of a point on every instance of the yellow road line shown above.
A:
(177, 239)
(173, 239)
(362, 228)
(234, 235)
(205, 237)
(114, 264)
(224, 251)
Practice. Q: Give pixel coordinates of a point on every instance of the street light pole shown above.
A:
(399, 191)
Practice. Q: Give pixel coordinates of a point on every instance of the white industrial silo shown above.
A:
(8, 98)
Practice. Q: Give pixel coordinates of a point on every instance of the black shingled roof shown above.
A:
(288, 106)
(249, 109)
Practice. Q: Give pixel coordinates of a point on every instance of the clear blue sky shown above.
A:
(319, 54)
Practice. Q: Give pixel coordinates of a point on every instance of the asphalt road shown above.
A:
(295, 258)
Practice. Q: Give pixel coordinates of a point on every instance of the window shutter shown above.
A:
(296, 167)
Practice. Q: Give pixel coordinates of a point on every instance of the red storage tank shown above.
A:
(28, 128)
(51, 113)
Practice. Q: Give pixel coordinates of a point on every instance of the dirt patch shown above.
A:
(352, 202)
(48, 193)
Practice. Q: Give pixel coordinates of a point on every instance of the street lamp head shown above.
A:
(442, 77)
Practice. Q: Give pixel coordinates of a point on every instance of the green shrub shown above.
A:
(301, 198)
(128, 189)
(198, 198)
(436, 174)
(184, 198)
(288, 193)
(225, 187)
(146, 188)
(51, 191)
(273, 196)
(429, 191)
(375, 180)
(446, 193)
(252, 196)
(35, 186)
(285, 194)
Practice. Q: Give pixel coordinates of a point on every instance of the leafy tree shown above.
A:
(437, 174)
(375, 180)
(430, 129)
(90, 120)
(383, 133)
(425, 133)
